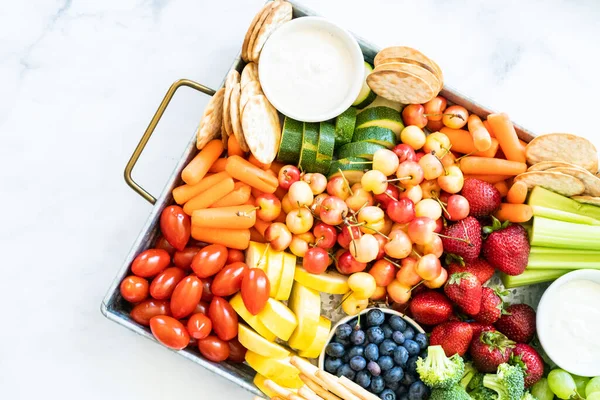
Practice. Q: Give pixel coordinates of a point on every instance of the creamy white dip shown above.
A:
(570, 325)
(309, 69)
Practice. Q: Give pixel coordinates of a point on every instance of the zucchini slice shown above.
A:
(308, 154)
(291, 141)
(366, 95)
(383, 117)
(359, 149)
(344, 127)
(375, 134)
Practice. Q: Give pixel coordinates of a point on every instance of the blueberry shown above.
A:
(332, 364)
(401, 390)
(398, 337)
(354, 351)
(387, 347)
(388, 394)
(346, 371)
(387, 331)
(401, 356)
(343, 331)
(411, 364)
(421, 340)
(375, 335)
(392, 385)
(377, 385)
(335, 350)
(409, 379)
(409, 333)
(385, 363)
(397, 323)
(375, 317)
(344, 342)
(372, 352)
(393, 375)
(353, 323)
(374, 368)
(363, 379)
(418, 391)
(412, 347)
(358, 363)
(357, 337)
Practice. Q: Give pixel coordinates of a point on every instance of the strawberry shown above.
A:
(478, 327)
(454, 337)
(507, 247)
(463, 239)
(492, 306)
(518, 323)
(490, 350)
(431, 308)
(483, 197)
(530, 361)
(464, 289)
(478, 267)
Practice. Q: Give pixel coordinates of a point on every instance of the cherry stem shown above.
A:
(416, 286)
(346, 181)
(344, 299)
(453, 238)
(392, 262)
(404, 178)
(360, 162)
(441, 205)
(440, 161)
(416, 253)
(465, 155)
(390, 196)
(263, 254)
(361, 207)
(353, 240)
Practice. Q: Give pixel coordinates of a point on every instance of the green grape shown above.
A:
(594, 396)
(592, 386)
(561, 383)
(580, 382)
(541, 390)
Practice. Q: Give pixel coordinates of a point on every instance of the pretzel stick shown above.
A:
(357, 390)
(318, 389)
(334, 386)
(308, 394)
(307, 369)
(281, 391)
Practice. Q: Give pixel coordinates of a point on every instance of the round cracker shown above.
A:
(416, 70)
(211, 121)
(256, 21)
(261, 128)
(408, 53)
(249, 74)
(262, 16)
(234, 110)
(546, 165)
(563, 147)
(232, 77)
(588, 200)
(279, 15)
(428, 67)
(590, 181)
(400, 86)
(567, 185)
(251, 89)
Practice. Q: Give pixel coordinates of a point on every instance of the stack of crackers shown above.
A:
(564, 163)
(269, 18)
(405, 75)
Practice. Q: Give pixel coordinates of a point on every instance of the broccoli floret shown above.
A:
(508, 382)
(528, 396)
(483, 393)
(454, 392)
(476, 382)
(468, 375)
(439, 371)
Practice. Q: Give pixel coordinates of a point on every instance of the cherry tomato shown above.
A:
(209, 260)
(229, 280)
(235, 255)
(384, 272)
(237, 352)
(214, 349)
(134, 289)
(224, 318)
(201, 307)
(150, 262)
(162, 244)
(169, 332)
(199, 326)
(176, 226)
(163, 285)
(183, 259)
(144, 311)
(186, 296)
(255, 290)
(207, 294)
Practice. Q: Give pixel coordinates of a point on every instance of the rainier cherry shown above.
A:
(428, 267)
(300, 194)
(287, 205)
(386, 161)
(404, 152)
(347, 234)
(359, 198)
(365, 249)
(316, 260)
(346, 264)
(412, 114)
(316, 181)
(434, 247)
(434, 109)
(399, 292)
(399, 245)
(362, 284)
(420, 230)
(413, 136)
(384, 272)
(325, 235)
(415, 193)
(457, 208)
(333, 210)
(382, 242)
(315, 207)
(431, 189)
(410, 173)
(278, 235)
(372, 219)
(437, 143)
(452, 180)
(270, 207)
(439, 281)
(299, 221)
(401, 211)
(407, 274)
(300, 243)
(428, 208)
(288, 174)
(391, 194)
(432, 166)
(374, 181)
(338, 187)
(455, 117)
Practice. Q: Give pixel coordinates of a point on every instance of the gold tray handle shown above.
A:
(150, 130)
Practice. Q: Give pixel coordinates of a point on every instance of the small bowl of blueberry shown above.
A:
(378, 350)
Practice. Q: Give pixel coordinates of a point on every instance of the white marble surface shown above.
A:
(79, 81)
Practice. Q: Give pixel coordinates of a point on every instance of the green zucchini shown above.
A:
(291, 141)
(325, 147)
(352, 167)
(383, 117)
(366, 95)
(359, 149)
(375, 134)
(344, 127)
(310, 139)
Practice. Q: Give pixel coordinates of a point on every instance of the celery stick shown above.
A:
(540, 211)
(565, 235)
(546, 198)
(531, 277)
(546, 258)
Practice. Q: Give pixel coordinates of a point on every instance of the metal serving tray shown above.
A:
(115, 308)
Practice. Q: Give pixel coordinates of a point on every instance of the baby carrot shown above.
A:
(218, 166)
(233, 147)
(507, 137)
(502, 187)
(209, 196)
(183, 193)
(255, 236)
(517, 193)
(232, 238)
(261, 226)
(239, 196)
(462, 142)
(481, 137)
(199, 166)
(488, 178)
(491, 166)
(234, 217)
(244, 171)
(514, 212)
(260, 165)
(487, 126)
